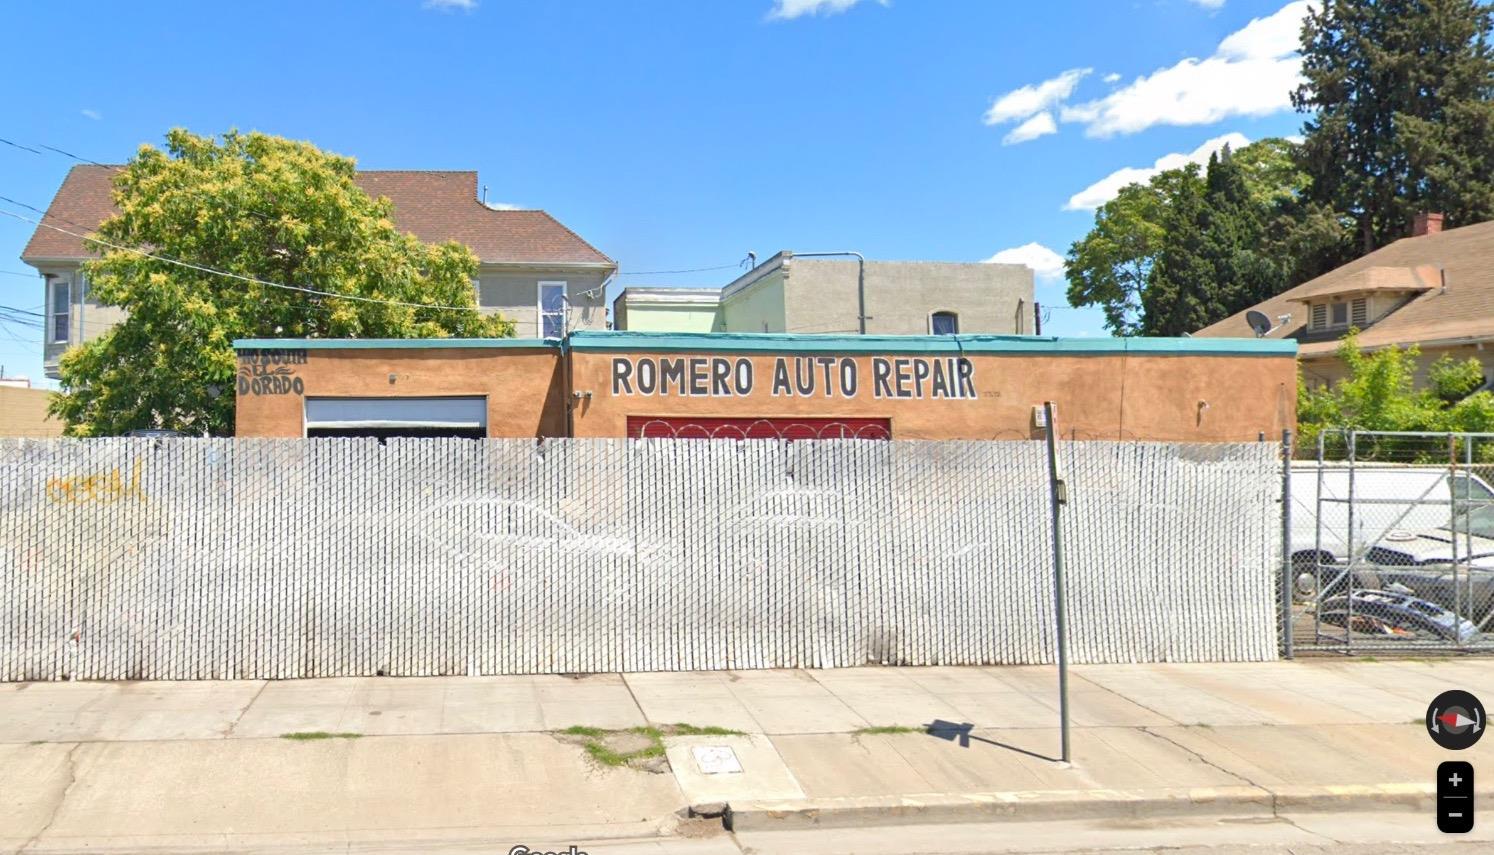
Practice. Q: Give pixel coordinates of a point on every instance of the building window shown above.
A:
(62, 305)
(1340, 312)
(1319, 316)
(552, 309)
(1359, 312)
(944, 323)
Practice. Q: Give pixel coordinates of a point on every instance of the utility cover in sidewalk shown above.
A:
(716, 760)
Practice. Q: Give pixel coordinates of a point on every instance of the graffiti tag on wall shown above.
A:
(97, 487)
(268, 372)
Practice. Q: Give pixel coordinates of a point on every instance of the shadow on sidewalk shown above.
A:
(951, 732)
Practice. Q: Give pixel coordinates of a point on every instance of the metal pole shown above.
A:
(1056, 498)
(861, 315)
(1286, 543)
(1349, 573)
(1317, 549)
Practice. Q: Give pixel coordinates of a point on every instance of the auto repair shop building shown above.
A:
(731, 385)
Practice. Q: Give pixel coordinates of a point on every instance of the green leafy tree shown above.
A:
(1212, 261)
(264, 208)
(1403, 122)
(1379, 393)
(1160, 238)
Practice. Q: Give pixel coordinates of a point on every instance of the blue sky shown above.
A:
(677, 134)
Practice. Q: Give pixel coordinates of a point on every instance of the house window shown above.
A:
(1319, 316)
(552, 309)
(1340, 314)
(944, 323)
(1359, 312)
(61, 310)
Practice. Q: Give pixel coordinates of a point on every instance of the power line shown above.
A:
(668, 272)
(224, 273)
(19, 146)
(21, 311)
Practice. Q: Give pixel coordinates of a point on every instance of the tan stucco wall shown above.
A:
(821, 296)
(23, 412)
(523, 386)
(1098, 397)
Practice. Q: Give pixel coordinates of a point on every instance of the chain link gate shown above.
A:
(1391, 543)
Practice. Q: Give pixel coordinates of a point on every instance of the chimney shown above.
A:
(1426, 224)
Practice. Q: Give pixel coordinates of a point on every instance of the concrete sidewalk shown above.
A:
(205, 766)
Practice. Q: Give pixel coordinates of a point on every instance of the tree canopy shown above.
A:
(265, 210)
(1401, 118)
(1379, 393)
(1399, 97)
(1190, 246)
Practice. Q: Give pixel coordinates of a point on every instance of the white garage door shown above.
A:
(397, 416)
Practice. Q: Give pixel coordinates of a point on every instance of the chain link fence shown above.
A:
(214, 559)
(1392, 543)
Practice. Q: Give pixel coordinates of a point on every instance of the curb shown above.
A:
(1034, 805)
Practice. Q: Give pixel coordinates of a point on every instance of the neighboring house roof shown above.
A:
(1463, 310)
(434, 206)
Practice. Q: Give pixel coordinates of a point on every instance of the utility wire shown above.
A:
(19, 273)
(19, 146)
(225, 273)
(21, 311)
(667, 272)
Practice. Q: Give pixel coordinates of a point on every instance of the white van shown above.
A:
(1403, 509)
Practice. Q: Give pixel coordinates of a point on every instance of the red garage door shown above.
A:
(685, 427)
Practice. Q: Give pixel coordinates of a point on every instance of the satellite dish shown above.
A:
(1258, 322)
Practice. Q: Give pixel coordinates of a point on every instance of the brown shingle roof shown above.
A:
(1465, 309)
(434, 206)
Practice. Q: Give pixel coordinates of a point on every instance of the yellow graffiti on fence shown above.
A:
(109, 486)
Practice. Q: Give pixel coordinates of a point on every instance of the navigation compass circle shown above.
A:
(1455, 720)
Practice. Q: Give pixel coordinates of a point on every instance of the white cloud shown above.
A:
(504, 206)
(1034, 98)
(1250, 74)
(93, 114)
(1046, 264)
(1112, 77)
(1106, 188)
(1276, 35)
(450, 5)
(1038, 126)
(787, 10)
(1208, 4)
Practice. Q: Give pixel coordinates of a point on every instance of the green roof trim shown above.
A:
(595, 340)
(388, 343)
(588, 340)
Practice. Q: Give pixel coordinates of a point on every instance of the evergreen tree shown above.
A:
(1213, 260)
(1403, 118)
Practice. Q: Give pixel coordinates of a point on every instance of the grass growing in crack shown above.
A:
(889, 728)
(579, 730)
(679, 729)
(312, 735)
(595, 741)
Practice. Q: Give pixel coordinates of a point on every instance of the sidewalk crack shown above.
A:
(245, 711)
(72, 778)
(1206, 761)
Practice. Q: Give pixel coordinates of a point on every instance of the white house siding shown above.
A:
(513, 292)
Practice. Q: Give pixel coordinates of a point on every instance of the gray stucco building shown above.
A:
(793, 294)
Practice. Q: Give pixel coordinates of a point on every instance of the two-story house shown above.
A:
(1433, 289)
(533, 270)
